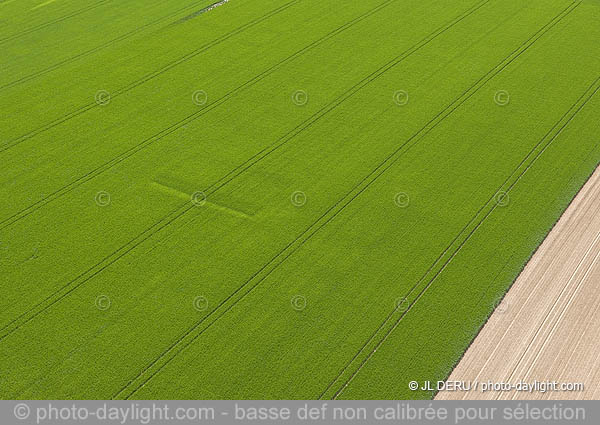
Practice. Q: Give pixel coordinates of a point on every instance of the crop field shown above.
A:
(548, 326)
(277, 199)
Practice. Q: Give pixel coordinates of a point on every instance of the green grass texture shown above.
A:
(277, 199)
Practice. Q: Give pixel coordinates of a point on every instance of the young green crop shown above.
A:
(250, 215)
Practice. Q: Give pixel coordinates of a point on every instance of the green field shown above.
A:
(289, 199)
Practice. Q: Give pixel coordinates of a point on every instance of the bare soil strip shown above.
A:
(548, 325)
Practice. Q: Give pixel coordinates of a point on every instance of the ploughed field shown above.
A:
(547, 327)
(277, 198)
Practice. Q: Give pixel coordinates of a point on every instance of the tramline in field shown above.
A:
(277, 199)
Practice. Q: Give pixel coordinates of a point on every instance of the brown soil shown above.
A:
(548, 326)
